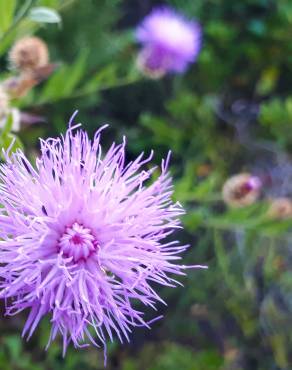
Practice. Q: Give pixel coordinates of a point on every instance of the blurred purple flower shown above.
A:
(170, 42)
(82, 236)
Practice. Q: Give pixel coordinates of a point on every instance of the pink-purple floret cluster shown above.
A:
(82, 236)
(170, 41)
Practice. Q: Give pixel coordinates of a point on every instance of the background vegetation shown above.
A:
(231, 112)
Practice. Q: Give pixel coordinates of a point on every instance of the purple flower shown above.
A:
(170, 42)
(82, 236)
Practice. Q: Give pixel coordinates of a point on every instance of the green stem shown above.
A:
(217, 225)
(66, 4)
(19, 17)
(24, 11)
(214, 198)
(120, 83)
(82, 93)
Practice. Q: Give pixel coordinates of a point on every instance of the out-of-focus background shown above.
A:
(230, 113)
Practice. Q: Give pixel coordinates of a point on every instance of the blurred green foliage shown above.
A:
(231, 112)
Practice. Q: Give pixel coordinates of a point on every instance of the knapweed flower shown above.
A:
(29, 53)
(83, 236)
(170, 42)
(241, 190)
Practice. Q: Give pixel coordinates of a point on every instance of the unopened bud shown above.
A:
(241, 190)
(280, 208)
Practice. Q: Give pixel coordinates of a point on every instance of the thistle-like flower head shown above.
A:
(170, 42)
(83, 236)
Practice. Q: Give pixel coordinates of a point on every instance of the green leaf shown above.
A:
(194, 219)
(106, 75)
(13, 344)
(17, 144)
(50, 3)
(75, 73)
(267, 81)
(8, 126)
(54, 87)
(7, 9)
(64, 80)
(42, 14)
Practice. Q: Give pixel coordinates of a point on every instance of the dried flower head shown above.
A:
(18, 86)
(280, 208)
(29, 53)
(241, 190)
(170, 42)
(82, 235)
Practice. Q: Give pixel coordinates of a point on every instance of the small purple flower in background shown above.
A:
(82, 236)
(170, 42)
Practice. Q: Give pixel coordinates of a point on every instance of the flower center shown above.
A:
(77, 242)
